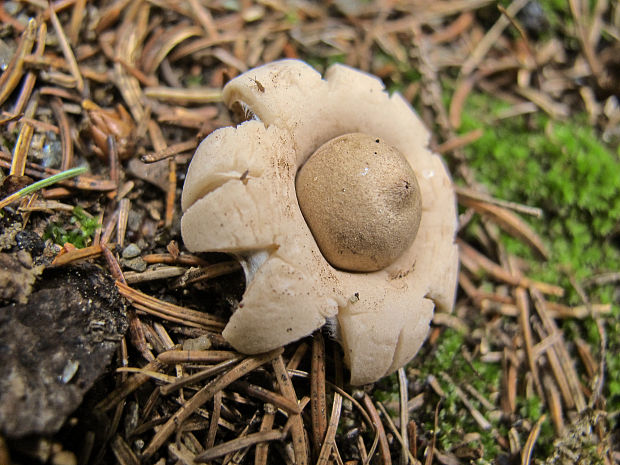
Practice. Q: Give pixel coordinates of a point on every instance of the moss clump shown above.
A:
(79, 231)
(563, 168)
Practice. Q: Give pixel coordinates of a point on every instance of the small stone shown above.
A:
(30, 241)
(131, 251)
(136, 264)
(198, 343)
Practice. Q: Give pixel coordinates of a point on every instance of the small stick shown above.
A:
(554, 402)
(138, 74)
(406, 456)
(490, 38)
(194, 275)
(115, 268)
(412, 429)
(460, 141)
(123, 453)
(522, 32)
(79, 182)
(77, 254)
(465, 193)
(77, 16)
(203, 16)
(509, 383)
(109, 228)
(474, 260)
(564, 358)
(558, 372)
(431, 447)
(113, 160)
(475, 413)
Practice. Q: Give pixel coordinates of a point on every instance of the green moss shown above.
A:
(563, 168)
(484, 377)
(78, 231)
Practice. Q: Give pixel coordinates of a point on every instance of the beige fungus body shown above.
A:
(240, 197)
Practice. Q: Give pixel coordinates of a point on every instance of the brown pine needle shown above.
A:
(262, 450)
(127, 387)
(196, 356)
(165, 308)
(184, 96)
(215, 416)
(329, 443)
(526, 331)
(240, 443)
(24, 139)
(65, 133)
(67, 51)
(202, 396)
(318, 404)
(170, 151)
(78, 254)
(528, 448)
(376, 420)
(460, 141)
(474, 260)
(183, 259)
(199, 376)
(268, 396)
(298, 432)
(508, 221)
(14, 71)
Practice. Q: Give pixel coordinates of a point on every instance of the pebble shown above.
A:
(131, 251)
(136, 264)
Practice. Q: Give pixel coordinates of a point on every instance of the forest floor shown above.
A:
(102, 105)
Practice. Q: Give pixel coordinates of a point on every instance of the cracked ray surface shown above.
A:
(239, 197)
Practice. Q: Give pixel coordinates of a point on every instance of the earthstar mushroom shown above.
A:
(240, 196)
